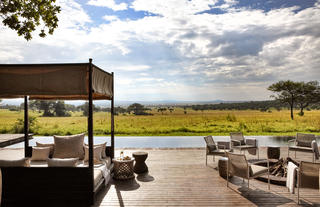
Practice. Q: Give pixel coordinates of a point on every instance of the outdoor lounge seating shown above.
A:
(55, 185)
(213, 149)
(239, 166)
(240, 143)
(308, 176)
(302, 143)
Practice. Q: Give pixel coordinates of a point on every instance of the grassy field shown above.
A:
(177, 123)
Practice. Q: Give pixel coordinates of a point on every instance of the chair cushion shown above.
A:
(256, 170)
(67, 162)
(40, 153)
(69, 146)
(23, 162)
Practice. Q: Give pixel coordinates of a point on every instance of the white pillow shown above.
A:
(96, 154)
(64, 162)
(40, 153)
(103, 152)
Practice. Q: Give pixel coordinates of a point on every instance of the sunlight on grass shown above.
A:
(176, 123)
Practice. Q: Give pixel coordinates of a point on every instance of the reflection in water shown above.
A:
(167, 141)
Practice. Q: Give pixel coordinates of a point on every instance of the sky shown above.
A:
(184, 50)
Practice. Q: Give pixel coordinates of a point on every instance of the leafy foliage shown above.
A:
(24, 16)
(18, 126)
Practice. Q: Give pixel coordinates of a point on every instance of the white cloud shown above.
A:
(109, 4)
(110, 18)
(180, 53)
(131, 67)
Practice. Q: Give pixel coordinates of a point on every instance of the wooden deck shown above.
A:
(181, 178)
(9, 139)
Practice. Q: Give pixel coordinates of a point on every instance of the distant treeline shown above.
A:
(253, 105)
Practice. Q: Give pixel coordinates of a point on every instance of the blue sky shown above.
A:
(184, 50)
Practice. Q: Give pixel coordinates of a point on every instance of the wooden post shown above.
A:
(112, 118)
(90, 119)
(26, 128)
(90, 131)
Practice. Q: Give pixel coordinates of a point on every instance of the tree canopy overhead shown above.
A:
(24, 16)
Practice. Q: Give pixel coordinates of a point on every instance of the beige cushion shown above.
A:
(67, 162)
(69, 146)
(97, 159)
(256, 170)
(40, 153)
(103, 152)
(24, 162)
(46, 145)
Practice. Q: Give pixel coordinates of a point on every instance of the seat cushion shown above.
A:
(97, 176)
(69, 146)
(66, 162)
(256, 170)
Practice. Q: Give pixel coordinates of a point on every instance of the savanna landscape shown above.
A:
(176, 123)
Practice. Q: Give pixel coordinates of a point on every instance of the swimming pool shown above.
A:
(165, 141)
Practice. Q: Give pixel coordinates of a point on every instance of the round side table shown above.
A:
(140, 165)
(123, 169)
(222, 166)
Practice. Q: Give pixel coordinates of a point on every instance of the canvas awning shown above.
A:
(54, 81)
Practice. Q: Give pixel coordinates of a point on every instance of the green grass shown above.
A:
(250, 122)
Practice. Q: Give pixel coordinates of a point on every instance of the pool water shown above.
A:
(165, 141)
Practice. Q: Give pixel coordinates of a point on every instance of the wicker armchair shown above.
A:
(213, 149)
(308, 176)
(240, 143)
(302, 143)
(238, 166)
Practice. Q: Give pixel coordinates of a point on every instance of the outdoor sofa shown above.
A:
(65, 185)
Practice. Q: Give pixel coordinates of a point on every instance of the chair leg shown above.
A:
(268, 181)
(213, 158)
(258, 153)
(295, 154)
(228, 173)
(206, 159)
(298, 188)
(248, 182)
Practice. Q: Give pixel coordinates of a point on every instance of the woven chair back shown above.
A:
(238, 165)
(309, 175)
(209, 140)
(237, 136)
(304, 140)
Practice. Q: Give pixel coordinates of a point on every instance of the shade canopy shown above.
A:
(54, 81)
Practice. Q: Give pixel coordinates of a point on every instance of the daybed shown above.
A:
(38, 185)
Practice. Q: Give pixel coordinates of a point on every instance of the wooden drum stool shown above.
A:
(222, 165)
(140, 165)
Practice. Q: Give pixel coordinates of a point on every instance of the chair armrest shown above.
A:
(292, 140)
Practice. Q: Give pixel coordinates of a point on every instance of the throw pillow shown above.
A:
(46, 145)
(96, 154)
(103, 152)
(68, 146)
(40, 153)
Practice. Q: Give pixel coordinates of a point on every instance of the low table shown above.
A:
(123, 169)
(140, 165)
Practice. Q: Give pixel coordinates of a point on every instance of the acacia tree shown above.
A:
(25, 16)
(286, 92)
(308, 93)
